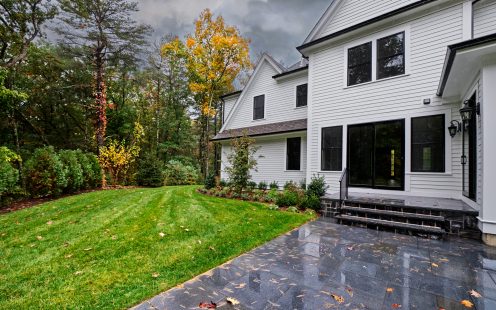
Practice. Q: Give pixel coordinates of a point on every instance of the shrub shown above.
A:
(311, 202)
(292, 209)
(177, 173)
(287, 199)
(210, 181)
(273, 207)
(274, 185)
(44, 173)
(241, 161)
(317, 186)
(150, 172)
(303, 184)
(9, 174)
(251, 185)
(262, 185)
(272, 195)
(222, 183)
(95, 178)
(73, 170)
(290, 185)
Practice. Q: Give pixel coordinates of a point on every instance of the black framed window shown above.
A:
(428, 144)
(301, 95)
(332, 148)
(391, 56)
(360, 64)
(293, 156)
(259, 107)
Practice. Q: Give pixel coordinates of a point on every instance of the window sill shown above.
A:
(293, 170)
(328, 171)
(258, 120)
(376, 81)
(302, 107)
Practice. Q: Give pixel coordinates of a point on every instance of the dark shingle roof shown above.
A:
(263, 130)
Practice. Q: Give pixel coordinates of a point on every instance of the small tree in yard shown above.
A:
(241, 161)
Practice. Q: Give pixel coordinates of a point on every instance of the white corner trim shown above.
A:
(467, 20)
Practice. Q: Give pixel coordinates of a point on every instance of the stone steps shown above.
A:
(392, 224)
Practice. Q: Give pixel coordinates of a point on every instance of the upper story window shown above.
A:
(377, 59)
(428, 143)
(301, 95)
(391, 56)
(259, 107)
(360, 64)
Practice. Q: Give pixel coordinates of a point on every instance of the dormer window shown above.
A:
(301, 95)
(259, 107)
(380, 58)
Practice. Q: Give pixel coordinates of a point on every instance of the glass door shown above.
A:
(376, 155)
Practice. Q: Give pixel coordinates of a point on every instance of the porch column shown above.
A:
(487, 218)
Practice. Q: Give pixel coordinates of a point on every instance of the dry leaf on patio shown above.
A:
(435, 265)
(155, 275)
(467, 303)
(389, 289)
(349, 291)
(206, 305)
(396, 306)
(232, 301)
(241, 285)
(338, 298)
(475, 294)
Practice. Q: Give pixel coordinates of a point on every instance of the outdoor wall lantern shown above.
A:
(466, 111)
(454, 128)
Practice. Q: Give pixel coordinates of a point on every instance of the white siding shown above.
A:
(280, 99)
(484, 18)
(352, 12)
(271, 159)
(396, 98)
(228, 105)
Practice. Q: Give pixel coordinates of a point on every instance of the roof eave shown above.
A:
(290, 72)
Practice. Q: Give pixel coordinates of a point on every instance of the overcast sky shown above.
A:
(274, 26)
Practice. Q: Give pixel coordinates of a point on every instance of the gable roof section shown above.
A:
(265, 58)
(323, 20)
(263, 130)
(312, 41)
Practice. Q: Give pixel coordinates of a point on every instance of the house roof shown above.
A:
(263, 130)
(234, 93)
(371, 21)
(450, 63)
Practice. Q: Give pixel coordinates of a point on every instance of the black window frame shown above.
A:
(337, 166)
(300, 96)
(441, 143)
(379, 59)
(255, 108)
(293, 163)
(350, 67)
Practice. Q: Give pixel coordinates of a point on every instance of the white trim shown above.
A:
(309, 122)
(373, 38)
(468, 17)
(265, 57)
(323, 20)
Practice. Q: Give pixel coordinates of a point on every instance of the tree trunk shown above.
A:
(100, 102)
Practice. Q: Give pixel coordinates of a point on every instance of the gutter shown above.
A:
(290, 72)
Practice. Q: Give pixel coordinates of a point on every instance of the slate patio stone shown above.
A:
(313, 267)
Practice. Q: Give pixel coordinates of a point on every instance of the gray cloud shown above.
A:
(274, 26)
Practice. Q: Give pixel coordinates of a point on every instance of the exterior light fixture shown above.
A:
(454, 128)
(466, 112)
(478, 108)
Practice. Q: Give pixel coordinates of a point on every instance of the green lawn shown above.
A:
(101, 249)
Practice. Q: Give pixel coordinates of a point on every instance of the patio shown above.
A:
(323, 265)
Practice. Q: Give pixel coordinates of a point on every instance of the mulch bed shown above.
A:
(31, 202)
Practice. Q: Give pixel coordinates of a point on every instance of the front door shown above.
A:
(376, 155)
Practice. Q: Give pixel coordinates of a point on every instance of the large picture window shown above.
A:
(360, 64)
(259, 107)
(301, 95)
(428, 145)
(293, 156)
(332, 148)
(391, 56)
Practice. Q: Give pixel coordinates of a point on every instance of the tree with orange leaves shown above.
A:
(216, 54)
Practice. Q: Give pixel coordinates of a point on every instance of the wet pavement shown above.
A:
(323, 265)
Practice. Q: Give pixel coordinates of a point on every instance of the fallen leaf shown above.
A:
(467, 303)
(77, 273)
(441, 308)
(475, 293)
(68, 256)
(350, 248)
(161, 235)
(241, 285)
(349, 291)
(435, 265)
(232, 301)
(199, 241)
(186, 229)
(114, 237)
(155, 275)
(49, 223)
(88, 249)
(39, 237)
(444, 260)
(389, 289)
(206, 305)
(396, 306)
(338, 298)
(211, 248)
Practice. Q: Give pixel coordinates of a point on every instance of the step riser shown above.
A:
(399, 214)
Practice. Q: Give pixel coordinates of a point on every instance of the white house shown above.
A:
(379, 100)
